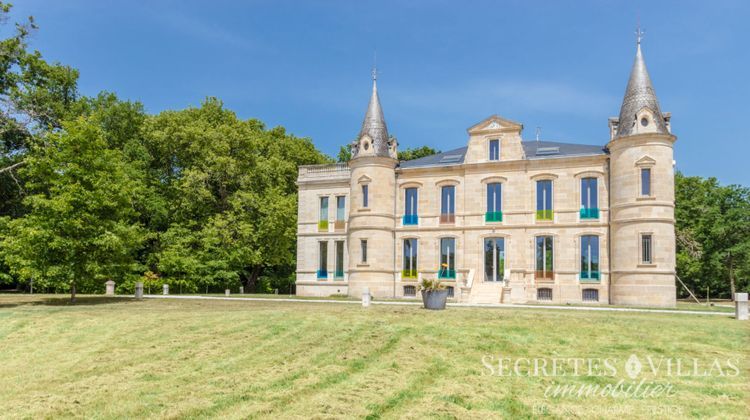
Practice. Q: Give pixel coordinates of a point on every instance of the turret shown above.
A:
(642, 196)
(372, 205)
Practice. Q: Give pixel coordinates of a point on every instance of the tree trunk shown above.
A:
(73, 292)
(731, 277)
(250, 282)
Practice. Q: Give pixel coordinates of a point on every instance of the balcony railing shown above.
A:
(590, 276)
(544, 275)
(493, 216)
(322, 274)
(338, 275)
(445, 273)
(323, 226)
(590, 213)
(410, 219)
(545, 215)
(339, 225)
(409, 274)
(447, 218)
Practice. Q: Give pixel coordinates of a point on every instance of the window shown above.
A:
(589, 199)
(646, 182)
(410, 206)
(363, 246)
(544, 200)
(448, 204)
(590, 258)
(544, 257)
(646, 249)
(410, 259)
(323, 260)
(340, 213)
(494, 203)
(494, 259)
(451, 291)
(447, 259)
(410, 291)
(339, 274)
(494, 149)
(323, 219)
(544, 294)
(590, 295)
(365, 198)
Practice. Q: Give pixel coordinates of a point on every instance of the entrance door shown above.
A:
(494, 259)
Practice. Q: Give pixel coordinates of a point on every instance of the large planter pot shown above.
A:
(434, 299)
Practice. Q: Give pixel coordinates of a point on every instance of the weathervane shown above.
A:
(639, 34)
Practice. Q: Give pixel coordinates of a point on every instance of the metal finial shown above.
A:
(375, 65)
(639, 34)
(538, 131)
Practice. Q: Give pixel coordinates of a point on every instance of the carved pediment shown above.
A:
(495, 124)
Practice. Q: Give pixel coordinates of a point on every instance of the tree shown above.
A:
(416, 153)
(79, 229)
(345, 154)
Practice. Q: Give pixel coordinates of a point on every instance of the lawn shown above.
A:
(181, 358)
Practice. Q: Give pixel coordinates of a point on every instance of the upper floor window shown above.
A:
(410, 206)
(590, 257)
(645, 182)
(447, 268)
(323, 217)
(448, 204)
(646, 249)
(495, 149)
(494, 202)
(544, 199)
(365, 198)
(410, 259)
(589, 198)
(544, 257)
(340, 208)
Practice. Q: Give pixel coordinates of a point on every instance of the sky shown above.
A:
(443, 65)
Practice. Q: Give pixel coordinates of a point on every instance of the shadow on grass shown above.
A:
(12, 301)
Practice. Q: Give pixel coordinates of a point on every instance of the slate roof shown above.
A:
(532, 149)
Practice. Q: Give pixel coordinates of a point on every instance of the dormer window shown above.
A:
(494, 149)
(644, 122)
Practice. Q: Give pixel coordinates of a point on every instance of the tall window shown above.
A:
(323, 260)
(323, 219)
(590, 257)
(645, 182)
(340, 213)
(411, 200)
(646, 249)
(365, 198)
(410, 259)
(544, 257)
(494, 203)
(447, 258)
(589, 199)
(339, 274)
(448, 204)
(363, 247)
(494, 149)
(544, 200)
(494, 259)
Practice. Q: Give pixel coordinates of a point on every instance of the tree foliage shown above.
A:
(416, 153)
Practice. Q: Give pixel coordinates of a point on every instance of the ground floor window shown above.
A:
(544, 257)
(323, 259)
(590, 295)
(410, 290)
(646, 257)
(590, 257)
(410, 259)
(494, 259)
(339, 274)
(544, 294)
(363, 246)
(447, 268)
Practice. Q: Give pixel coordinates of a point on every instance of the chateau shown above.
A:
(500, 220)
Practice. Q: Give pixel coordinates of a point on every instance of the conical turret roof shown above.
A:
(374, 123)
(638, 95)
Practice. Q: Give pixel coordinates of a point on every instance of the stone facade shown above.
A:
(572, 223)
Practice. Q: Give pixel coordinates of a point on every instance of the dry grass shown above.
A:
(157, 358)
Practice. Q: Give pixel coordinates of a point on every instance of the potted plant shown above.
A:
(434, 294)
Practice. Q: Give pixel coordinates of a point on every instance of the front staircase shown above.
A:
(487, 292)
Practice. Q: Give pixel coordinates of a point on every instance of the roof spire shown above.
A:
(374, 122)
(639, 94)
